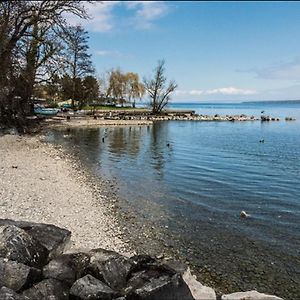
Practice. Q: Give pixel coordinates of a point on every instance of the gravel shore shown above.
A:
(40, 183)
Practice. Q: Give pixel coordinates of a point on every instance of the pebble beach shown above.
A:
(39, 183)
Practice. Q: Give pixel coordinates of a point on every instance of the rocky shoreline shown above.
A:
(30, 167)
(145, 117)
(34, 266)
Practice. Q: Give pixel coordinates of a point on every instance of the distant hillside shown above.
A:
(273, 102)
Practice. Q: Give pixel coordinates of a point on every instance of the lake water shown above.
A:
(194, 178)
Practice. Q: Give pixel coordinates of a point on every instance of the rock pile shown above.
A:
(33, 266)
(268, 118)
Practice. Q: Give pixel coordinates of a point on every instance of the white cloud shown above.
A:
(217, 91)
(230, 91)
(104, 19)
(146, 12)
(192, 92)
(196, 92)
(101, 16)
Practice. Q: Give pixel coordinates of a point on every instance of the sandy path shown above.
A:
(39, 183)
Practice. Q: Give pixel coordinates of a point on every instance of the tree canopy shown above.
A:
(42, 55)
(27, 43)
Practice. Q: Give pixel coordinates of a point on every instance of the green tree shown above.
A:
(90, 90)
(77, 60)
(52, 88)
(134, 88)
(117, 86)
(158, 89)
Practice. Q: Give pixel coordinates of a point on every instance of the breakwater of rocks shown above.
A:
(34, 265)
(145, 115)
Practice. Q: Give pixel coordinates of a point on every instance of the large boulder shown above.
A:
(48, 289)
(90, 288)
(146, 274)
(53, 238)
(250, 295)
(16, 244)
(17, 276)
(155, 281)
(110, 267)
(8, 294)
(141, 261)
(163, 287)
(101, 255)
(67, 267)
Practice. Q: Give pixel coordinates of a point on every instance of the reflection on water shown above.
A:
(200, 176)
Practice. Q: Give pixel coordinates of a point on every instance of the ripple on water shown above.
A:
(208, 174)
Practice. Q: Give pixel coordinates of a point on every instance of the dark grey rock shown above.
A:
(110, 267)
(8, 294)
(16, 244)
(53, 238)
(17, 276)
(149, 272)
(163, 287)
(48, 289)
(140, 262)
(67, 267)
(101, 255)
(157, 281)
(90, 288)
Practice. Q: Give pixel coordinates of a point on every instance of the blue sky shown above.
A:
(221, 51)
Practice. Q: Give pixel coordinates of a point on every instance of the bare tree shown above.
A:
(39, 52)
(158, 89)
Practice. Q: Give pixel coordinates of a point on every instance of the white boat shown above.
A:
(46, 111)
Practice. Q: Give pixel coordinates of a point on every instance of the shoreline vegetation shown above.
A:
(43, 183)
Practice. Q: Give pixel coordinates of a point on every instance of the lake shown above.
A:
(194, 178)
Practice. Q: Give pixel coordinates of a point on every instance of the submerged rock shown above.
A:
(90, 288)
(243, 214)
(17, 276)
(16, 244)
(250, 295)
